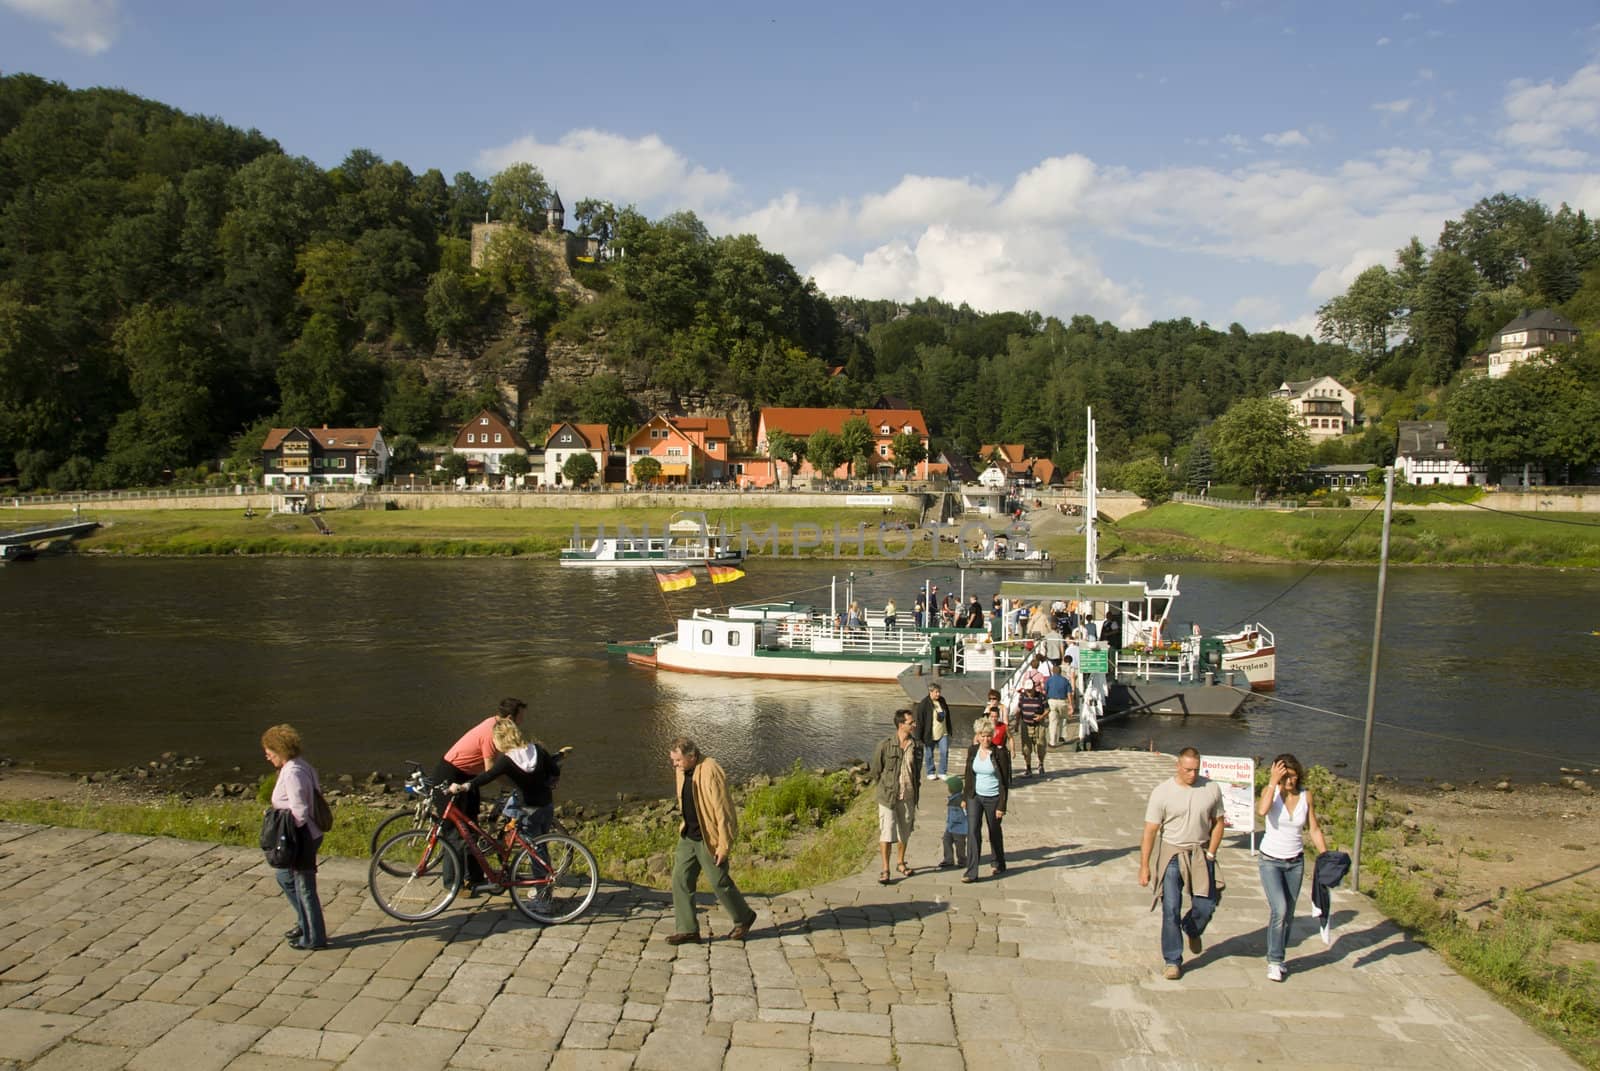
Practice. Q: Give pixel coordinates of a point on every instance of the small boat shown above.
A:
(791, 641)
(1151, 670)
(687, 539)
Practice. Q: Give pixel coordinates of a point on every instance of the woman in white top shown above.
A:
(1287, 808)
(295, 791)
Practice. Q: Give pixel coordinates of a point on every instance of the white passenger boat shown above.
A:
(1154, 669)
(686, 539)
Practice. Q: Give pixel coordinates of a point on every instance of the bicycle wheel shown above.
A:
(560, 852)
(413, 818)
(415, 875)
(545, 895)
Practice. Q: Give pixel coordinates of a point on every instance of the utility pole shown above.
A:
(1372, 678)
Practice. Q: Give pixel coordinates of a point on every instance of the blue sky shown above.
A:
(1231, 161)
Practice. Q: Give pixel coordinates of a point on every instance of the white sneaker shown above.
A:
(933, 777)
(1274, 972)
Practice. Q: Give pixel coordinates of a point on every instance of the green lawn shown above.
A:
(1444, 537)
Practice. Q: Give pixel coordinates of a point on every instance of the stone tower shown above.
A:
(555, 214)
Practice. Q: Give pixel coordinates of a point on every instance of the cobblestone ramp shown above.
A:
(161, 955)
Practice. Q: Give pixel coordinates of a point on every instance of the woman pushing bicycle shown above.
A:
(529, 766)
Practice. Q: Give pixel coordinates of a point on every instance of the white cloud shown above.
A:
(1543, 114)
(643, 169)
(88, 26)
(1382, 41)
(1286, 139)
(1468, 164)
(1398, 107)
(1235, 141)
(1425, 74)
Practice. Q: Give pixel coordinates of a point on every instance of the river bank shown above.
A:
(1498, 880)
(1171, 532)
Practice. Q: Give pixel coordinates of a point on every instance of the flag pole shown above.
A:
(1372, 678)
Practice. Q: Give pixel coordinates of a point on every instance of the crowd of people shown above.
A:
(1183, 819)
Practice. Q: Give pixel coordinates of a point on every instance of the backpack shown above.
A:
(280, 838)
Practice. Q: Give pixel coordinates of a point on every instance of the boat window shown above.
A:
(733, 639)
(1158, 608)
(705, 637)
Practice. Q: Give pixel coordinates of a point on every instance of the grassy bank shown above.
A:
(444, 533)
(799, 830)
(1428, 537)
(1511, 955)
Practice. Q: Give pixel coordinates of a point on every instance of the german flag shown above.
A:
(675, 581)
(723, 574)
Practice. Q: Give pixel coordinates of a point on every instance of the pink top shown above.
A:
(297, 784)
(474, 752)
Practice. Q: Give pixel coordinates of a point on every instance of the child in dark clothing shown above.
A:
(955, 825)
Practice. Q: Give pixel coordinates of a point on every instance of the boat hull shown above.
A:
(1259, 667)
(774, 665)
(1184, 699)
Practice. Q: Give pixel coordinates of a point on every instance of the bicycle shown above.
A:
(417, 873)
(419, 815)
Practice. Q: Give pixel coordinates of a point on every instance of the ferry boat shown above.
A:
(687, 539)
(792, 641)
(1152, 670)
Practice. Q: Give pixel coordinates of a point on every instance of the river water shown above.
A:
(113, 661)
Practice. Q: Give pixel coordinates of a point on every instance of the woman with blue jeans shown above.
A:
(1287, 808)
(295, 791)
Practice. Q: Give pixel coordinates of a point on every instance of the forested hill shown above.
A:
(170, 286)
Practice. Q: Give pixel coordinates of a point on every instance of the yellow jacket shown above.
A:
(719, 823)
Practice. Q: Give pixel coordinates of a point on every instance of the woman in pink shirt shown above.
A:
(470, 756)
(295, 792)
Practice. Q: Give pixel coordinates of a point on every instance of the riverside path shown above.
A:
(161, 955)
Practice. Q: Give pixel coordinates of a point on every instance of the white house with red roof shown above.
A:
(570, 438)
(486, 441)
(884, 424)
(312, 457)
(690, 449)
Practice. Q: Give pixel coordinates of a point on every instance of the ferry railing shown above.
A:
(827, 638)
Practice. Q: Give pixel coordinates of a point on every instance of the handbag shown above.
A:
(280, 838)
(321, 813)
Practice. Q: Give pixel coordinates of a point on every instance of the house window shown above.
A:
(497, 436)
(711, 448)
(484, 421)
(641, 451)
(342, 462)
(883, 430)
(471, 438)
(906, 429)
(883, 449)
(566, 437)
(674, 451)
(658, 433)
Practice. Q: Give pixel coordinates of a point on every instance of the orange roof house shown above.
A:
(885, 424)
(304, 457)
(691, 449)
(569, 438)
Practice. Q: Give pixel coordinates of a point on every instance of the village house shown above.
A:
(1424, 456)
(570, 438)
(1325, 407)
(690, 449)
(486, 441)
(884, 424)
(1525, 338)
(311, 457)
(1009, 466)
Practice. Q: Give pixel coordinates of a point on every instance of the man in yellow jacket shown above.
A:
(705, 836)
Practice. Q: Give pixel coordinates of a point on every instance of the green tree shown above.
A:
(1364, 316)
(826, 452)
(469, 202)
(646, 470)
(454, 466)
(1199, 468)
(787, 448)
(1259, 442)
(1440, 320)
(580, 468)
(410, 405)
(519, 195)
(404, 454)
(1146, 478)
(908, 451)
(322, 380)
(515, 466)
(595, 219)
(858, 443)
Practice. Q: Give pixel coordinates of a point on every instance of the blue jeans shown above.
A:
(1281, 879)
(300, 886)
(942, 746)
(1174, 925)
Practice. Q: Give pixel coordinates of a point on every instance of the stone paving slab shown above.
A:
(159, 955)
